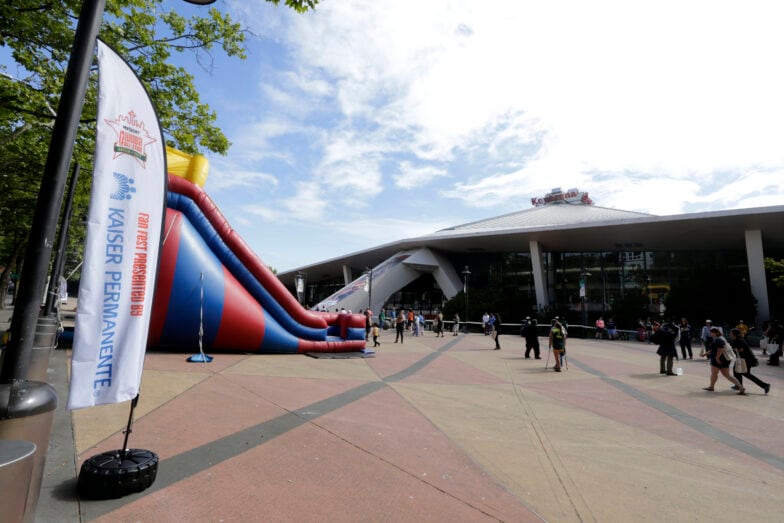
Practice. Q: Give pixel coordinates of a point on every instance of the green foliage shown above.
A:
(147, 34)
(299, 6)
(776, 269)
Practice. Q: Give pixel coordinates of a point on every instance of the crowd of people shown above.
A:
(405, 322)
(722, 354)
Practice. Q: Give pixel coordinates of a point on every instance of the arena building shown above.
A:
(562, 254)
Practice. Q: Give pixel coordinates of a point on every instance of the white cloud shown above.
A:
(307, 204)
(617, 86)
(411, 177)
(221, 179)
(662, 107)
(264, 213)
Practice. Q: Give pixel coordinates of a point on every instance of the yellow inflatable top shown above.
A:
(192, 167)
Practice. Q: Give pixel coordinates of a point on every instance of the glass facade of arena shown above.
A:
(627, 285)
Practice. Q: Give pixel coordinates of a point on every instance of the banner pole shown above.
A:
(128, 428)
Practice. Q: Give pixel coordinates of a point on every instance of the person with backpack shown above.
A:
(557, 343)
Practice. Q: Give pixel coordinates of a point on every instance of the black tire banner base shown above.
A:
(116, 473)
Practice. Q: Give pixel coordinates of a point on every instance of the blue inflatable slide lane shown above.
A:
(209, 281)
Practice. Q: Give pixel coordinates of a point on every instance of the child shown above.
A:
(375, 335)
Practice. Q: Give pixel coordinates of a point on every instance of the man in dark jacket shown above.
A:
(531, 335)
(666, 336)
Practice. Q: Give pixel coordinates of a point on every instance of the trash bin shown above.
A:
(26, 414)
(16, 469)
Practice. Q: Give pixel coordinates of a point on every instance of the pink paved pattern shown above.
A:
(291, 438)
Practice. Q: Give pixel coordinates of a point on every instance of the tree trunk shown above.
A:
(5, 276)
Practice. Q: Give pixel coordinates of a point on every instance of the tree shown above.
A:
(39, 36)
(776, 268)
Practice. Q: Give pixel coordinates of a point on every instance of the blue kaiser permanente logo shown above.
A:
(123, 187)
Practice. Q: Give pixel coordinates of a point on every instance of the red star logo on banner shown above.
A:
(132, 137)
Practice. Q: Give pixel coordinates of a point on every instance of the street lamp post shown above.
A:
(466, 273)
(583, 292)
(299, 285)
(369, 272)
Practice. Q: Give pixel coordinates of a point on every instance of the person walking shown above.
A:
(743, 328)
(775, 335)
(664, 336)
(455, 324)
(599, 328)
(707, 339)
(368, 323)
(685, 342)
(720, 361)
(491, 324)
(741, 346)
(438, 324)
(531, 335)
(376, 332)
(496, 319)
(612, 331)
(400, 326)
(557, 343)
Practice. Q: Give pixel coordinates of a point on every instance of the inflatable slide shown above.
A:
(213, 291)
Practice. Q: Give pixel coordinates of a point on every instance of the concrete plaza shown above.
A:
(434, 429)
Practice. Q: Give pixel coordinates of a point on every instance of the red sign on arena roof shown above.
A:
(556, 196)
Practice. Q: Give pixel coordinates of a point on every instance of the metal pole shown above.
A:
(39, 248)
(370, 289)
(466, 273)
(59, 259)
(465, 320)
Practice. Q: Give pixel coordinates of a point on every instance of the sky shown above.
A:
(361, 123)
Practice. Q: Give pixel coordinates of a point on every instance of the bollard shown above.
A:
(16, 469)
(26, 414)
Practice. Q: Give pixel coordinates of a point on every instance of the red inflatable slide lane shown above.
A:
(248, 258)
(257, 268)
